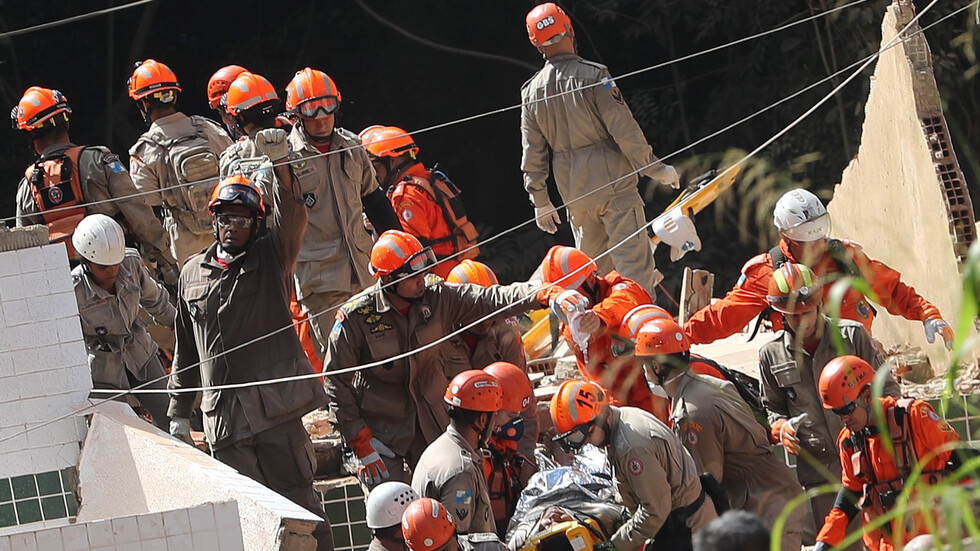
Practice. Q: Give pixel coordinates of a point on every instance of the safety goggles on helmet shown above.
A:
(418, 263)
(318, 107)
(810, 230)
(845, 410)
(237, 195)
(574, 439)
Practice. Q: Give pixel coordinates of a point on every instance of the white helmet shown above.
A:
(99, 239)
(800, 216)
(386, 503)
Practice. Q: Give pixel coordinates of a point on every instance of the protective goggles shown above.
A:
(845, 410)
(239, 195)
(318, 107)
(418, 263)
(227, 220)
(574, 439)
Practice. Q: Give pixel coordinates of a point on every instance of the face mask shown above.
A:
(511, 430)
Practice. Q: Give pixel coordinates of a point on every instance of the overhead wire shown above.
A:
(72, 19)
(477, 116)
(899, 36)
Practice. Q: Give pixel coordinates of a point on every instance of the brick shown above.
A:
(59, 281)
(74, 354)
(10, 388)
(125, 530)
(15, 463)
(16, 312)
(202, 518)
(205, 540)
(78, 377)
(10, 416)
(158, 544)
(31, 260)
(12, 288)
(55, 256)
(176, 523)
(6, 362)
(151, 527)
(4, 540)
(100, 533)
(75, 537)
(180, 542)
(21, 337)
(26, 360)
(49, 539)
(25, 541)
(9, 263)
(46, 333)
(226, 515)
(69, 329)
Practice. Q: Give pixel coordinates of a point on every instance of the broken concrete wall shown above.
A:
(903, 196)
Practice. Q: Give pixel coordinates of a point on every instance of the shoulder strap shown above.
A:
(778, 257)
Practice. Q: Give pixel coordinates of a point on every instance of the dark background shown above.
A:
(387, 77)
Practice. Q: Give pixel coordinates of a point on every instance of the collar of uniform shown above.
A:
(250, 261)
(418, 170)
(169, 119)
(456, 437)
(825, 339)
(57, 148)
(298, 140)
(91, 289)
(381, 303)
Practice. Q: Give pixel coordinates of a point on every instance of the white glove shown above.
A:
(272, 143)
(381, 448)
(547, 218)
(180, 428)
(939, 325)
(787, 434)
(668, 177)
(566, 302)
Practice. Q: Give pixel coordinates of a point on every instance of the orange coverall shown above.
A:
(422, 217)
(621, 376)
(929, 434)
(305, 333)
(747, 299)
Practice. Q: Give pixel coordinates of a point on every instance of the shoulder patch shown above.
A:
(356, 304)
(635, 466)
(464, 497)
(621, 286)
(112, 161)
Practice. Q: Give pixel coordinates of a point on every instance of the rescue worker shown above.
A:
(426, 201)
(176, 151)
(789, 368)
(486, 343)
(60, 187)
(384, 509)
(573, 110)
(506, 466)
(719, 430)
(874, 469)
(111, 285)
(599, 305)
(450, 470)
(804, 228)
(218, 86)
(655, 475)
(234, 299)
(404, 311)
(427, 525)
(336, 188)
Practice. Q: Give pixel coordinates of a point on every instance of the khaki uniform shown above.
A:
(789, 380)
(724, 438)
(190, 231)
(368, 329)
(103, 177)
(451, 472)
(502, 344)
(482, 541)
(594, 140)
(121, 353)
(242, 157)
(655, 475)
(333, 262)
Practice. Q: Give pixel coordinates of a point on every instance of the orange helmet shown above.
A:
(635, 318)
(427, 525)
(793, 289)
(38, 107)
(567, 267)
(250, 91)
(471, 271)
(237, 190)
(399, 253)
(389, 141)
(842, 380)
(547, 24)
(220, 82)
(475, 390)
(514, 383)
(312, 94)
(661, 336)
(150, 78)
(574, 408)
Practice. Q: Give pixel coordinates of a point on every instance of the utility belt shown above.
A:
(883, 495)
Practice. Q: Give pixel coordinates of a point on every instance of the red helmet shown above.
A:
(389, 141)
(399, 253)
(150, 78)
(567, 267)
(661, 336)
(427, 525)
(237, 190)
(514, 383)
(220, 82)
(547, 24)
(38, 107)
(577, 403)
(250, 91)
(472, 271)
(793, 289)
(312, 94)
(843, 379)
(474, 390)
(635, 318)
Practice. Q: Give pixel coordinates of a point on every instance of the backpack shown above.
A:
(190, 159)
(56, 184)
(747, 387)
(462, 232)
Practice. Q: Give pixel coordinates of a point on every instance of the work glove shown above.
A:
(371, 470)
(939, 325)
(272, 143)
(567, 302)
(180, 428)
(667, 175)
(547, 218)
(821, 546)
(785, 431)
